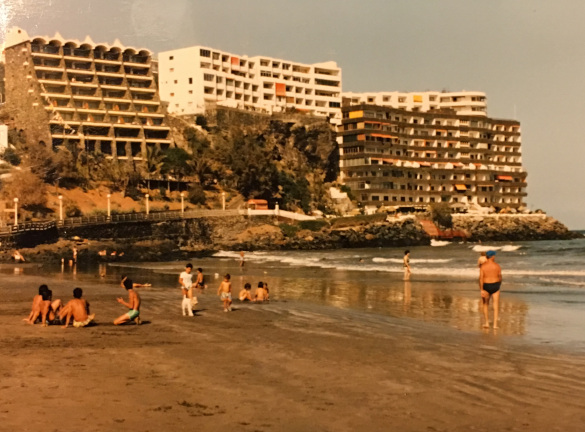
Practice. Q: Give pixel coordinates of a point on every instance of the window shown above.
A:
(175, 81)
(172, 94)
(208, 77)
(204, 53)
(190, 91)
(171, 69)
(171, 57)
(190, 80)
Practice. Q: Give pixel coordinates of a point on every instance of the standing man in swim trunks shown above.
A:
(490, 279)
(133, 304)
(406, 265)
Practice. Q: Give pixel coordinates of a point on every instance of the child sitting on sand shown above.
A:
(133, 304)
(260, 295)
(245, 294)
(225, 293)
(77, 308)
(43, 306)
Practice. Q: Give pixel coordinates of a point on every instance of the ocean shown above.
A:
(542, 299)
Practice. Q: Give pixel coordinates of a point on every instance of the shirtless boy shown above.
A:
(200, 281)
(260, 294)
(490, 279)
(133, 305)
(225, 293)
(245, 294)
(77, 308)
(186, 282)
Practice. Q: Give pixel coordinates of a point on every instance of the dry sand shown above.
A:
(278, 367)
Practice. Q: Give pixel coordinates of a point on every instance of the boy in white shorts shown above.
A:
(186, 282)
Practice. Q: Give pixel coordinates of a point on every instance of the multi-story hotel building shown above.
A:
(396, 157)
(100, 97)
(196, 78)
(463, 103)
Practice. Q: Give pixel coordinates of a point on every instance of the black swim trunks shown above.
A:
(492, 288)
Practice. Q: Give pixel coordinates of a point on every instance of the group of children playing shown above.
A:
(50, 311)
(224, 291)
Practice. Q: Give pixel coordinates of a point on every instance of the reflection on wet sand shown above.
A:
(420, 300)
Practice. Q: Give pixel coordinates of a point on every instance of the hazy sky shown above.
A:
(527, 55)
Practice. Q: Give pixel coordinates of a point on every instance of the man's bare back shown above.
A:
(491, 272)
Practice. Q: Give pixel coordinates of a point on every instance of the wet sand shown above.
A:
(284, 366)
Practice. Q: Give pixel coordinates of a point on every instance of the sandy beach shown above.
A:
(283, 366)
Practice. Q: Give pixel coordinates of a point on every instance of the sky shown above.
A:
(527, 55)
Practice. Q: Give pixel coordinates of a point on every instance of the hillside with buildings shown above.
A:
(91, 125)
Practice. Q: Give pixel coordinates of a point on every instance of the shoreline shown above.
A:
(305, 365)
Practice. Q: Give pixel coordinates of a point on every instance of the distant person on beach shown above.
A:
(481, 260)
(75, 254)
(17, 257)
(406, 264)
(133, 305)
(242, 262)
(260, 295)
(245, 294)
(490, 280)
(77, 308)
(200, 281)
(186, 282)
(134, 284)
(225, 293)
(267, 290)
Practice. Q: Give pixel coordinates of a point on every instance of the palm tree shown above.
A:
(154, 163)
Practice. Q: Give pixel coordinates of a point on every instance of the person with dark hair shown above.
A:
(186, 281)
(49, 307)
(225, 293)
(406, 265)
(133, 304)
(77, 308)
(36, 305)
(200, 281)
(260, 295)
(245, 294)
(135, 284)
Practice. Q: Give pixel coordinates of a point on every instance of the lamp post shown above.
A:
(15, 211)
(147, 205)
(182, 203)
(109, 207)
(61, 208)
(223, 200)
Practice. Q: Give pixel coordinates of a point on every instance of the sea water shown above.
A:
(542, 296)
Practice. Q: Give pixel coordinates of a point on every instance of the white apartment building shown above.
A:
(195, 78)
(468, 103)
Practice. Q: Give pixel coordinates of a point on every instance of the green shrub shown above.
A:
(11, 157)
(313, 225)
(289, 230)
(196, 195)
(71, 210)
(441, 214)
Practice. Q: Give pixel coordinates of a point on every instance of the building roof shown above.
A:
(16, 36)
